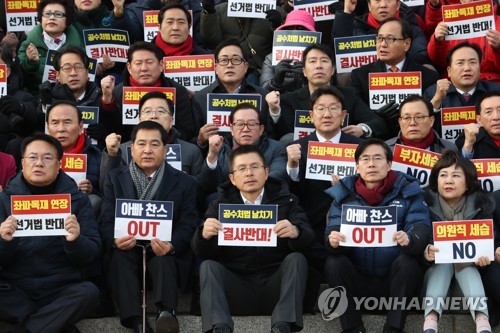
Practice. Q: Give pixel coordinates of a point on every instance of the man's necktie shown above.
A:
(466, 97)
(394, 69)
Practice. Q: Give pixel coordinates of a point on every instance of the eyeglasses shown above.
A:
(160, 112)
(418, 119)
(376, 159)
(252, 124)
(57, 14)
(79, 68)
(333, 109)
(389, 40)
(234, 61)
(46, 159)
(243, 169)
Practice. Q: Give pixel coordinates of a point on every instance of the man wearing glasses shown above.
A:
(231, 67)
(416, 118)
(394, 39)
(247, 128)
(392, 271)
(42, 280)
(242, 280)
(71, 65)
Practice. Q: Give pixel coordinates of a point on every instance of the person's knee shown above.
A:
(406, 264)
(295, 259)
(335, 264)
(209, 268)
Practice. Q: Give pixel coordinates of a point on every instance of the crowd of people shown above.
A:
(49, 283)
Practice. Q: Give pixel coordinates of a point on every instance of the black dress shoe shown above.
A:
(167, 323)
(138, 328)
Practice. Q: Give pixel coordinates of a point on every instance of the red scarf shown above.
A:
(426, 142)
(175, 50)
(80, 144)
(374, 23)
(134, 83)
(496, 141)
(376, 195)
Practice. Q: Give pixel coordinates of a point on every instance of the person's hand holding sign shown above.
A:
(430, 252)
(72, 227)
(335, 238)
(7, 228)
(401, 238)
(125, 243)
(285, 229)
(211, 228)
(161, 248)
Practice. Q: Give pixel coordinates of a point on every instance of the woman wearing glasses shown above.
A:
(416, 117)
(455, 195)
(53, 31)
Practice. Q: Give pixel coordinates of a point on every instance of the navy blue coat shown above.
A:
(38, 265)
(412, 217)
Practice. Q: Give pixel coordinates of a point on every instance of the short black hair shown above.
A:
(246, 149)
(417, 98)
(493, 93)
(473, 46)
(448, 159)
(320, 47)
(246, 105)
(150, 126)
(144, 46)
(70, 49)
(168, 6)
(43, 137)
(328, 90)
(406, 29)
(229, 42)
(65, 102)
(6, 56)
(369, 142)
(160, 95)
(68, 9)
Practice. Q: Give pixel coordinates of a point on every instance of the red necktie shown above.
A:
(466, 97)
(57, 40)
(394, 69)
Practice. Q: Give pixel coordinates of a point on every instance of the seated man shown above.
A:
(42, 280)
(247, 280)
(149, 177)
(65, 123)
(383, 271)
(482, 140)
(247, 128)
(416, 118)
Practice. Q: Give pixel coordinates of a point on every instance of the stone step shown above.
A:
(449, 323)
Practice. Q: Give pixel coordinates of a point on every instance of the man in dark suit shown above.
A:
(142, 179)
(393, 43)
(327, 113)
(319, 69)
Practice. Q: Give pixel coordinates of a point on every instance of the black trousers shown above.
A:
(403, 281)
(279, 293)
(125, 274)
(51, 312)
(491, 276)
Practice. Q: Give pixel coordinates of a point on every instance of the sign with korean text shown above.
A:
(132, 97)
(144, 219)
(90, 115)
(325, 159)
(92, 69)
(194, 72)
(21, 15)
(173, 155)
(414, 162)
(303, 124)
(393, 87)
(488, 173)
(49, 72)
(463, 241)
(113, 42)
(40, 215)
(3, 80)
(219, 106)
(75, 166)
(247, 225)
(290, 44)
(454, 119)
(151, 25)
(368, 226)
(249, 8)
(468, 20)
(354, 52)
(413, 3)
(317, 8)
